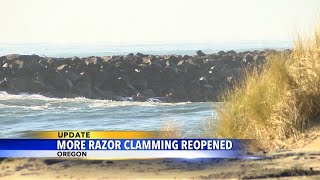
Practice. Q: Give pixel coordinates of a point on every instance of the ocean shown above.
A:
(107, 49)
(22, 113)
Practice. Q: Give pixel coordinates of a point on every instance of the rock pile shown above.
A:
(170, 78)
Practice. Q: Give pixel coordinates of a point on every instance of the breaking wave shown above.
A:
(30, 112)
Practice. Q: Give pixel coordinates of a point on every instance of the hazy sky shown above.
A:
(147, 21)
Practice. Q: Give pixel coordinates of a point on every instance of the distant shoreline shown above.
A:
(109, 49)
(138, 77)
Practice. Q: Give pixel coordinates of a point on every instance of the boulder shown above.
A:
(72, 75)
(93, 61)
(36, 86)
(230, 61)
(129, 58)
(169, 73)
(11, 57)
(231, 53)
(200, 53)
(63, 67)
(203, 81)
(195, 95)
(172, 60)
(1, 63)
(19, 64)
(140, 84)
(227, 58)
(188, 65)
(21, 83)
(180, 93)
(84, 89)
(139, 97)
(101, 94)
(26, 84)
(148, 93)
(248, 59)
(8, 86)
(75, 61)
(55, 82)
(259, 59)
(140, 55)
(221, 53)
(6, 65)
(214, 56)
(37, 66)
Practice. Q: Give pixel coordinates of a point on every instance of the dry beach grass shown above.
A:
(276, 102)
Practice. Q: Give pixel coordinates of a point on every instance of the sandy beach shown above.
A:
(300, 159)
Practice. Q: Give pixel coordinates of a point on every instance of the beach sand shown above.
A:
(300, 160)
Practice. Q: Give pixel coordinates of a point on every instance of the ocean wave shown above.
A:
(5, 96)
(39, 102)
(25, 112)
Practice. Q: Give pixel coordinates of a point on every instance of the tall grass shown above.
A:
(275, 102)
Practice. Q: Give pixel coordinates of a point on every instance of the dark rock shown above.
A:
(180, 93)
(36, 86)
(84, 88)
(5, 65)
(221, 53)
(203, 81)
(21, 84)
(195, 95)
(37, 66)
(139, 97)
(11, 57)
(169, 73)
(148, 93)
(7, 85)
(93, 61)
(56, 83)
(75, 60)
(259, 59)
(231, 53)
(200, 53)
(140, 55)
(172, 60)
(63, 67)
(214, 56)
(227, 58)
(72, 75)
(140, 84)
(248, 59)
(230, 61)
(109, 95)
(169, 77)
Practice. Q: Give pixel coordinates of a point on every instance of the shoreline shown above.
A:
(137, 77)
(156, 48)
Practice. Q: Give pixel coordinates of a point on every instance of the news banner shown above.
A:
(117, 145)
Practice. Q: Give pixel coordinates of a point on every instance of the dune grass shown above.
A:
(275, 102)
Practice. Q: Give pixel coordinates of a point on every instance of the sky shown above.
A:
(154, 21)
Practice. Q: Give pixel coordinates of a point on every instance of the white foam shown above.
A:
(40, 102)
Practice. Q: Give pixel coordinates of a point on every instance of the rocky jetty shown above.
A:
(137, 77)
